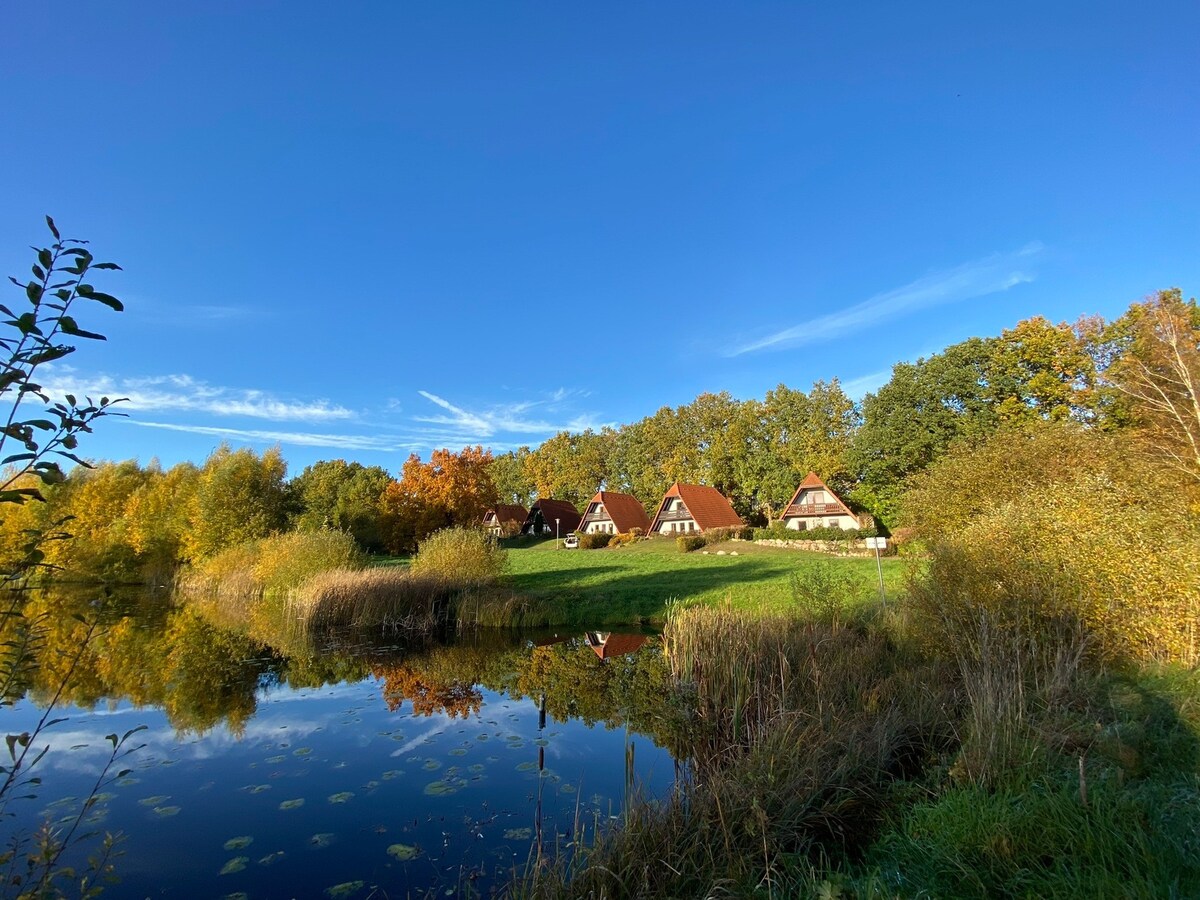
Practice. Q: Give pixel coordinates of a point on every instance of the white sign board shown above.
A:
(877, 543)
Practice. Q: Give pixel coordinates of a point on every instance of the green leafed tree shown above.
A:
(240, 496)
(343, 496)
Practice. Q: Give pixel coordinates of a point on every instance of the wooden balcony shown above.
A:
(814, 509)
(675, 515)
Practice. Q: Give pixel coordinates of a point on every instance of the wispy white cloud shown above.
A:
(511, 418)
(384, 443)
(182, 393)
(866, 384)
(989, 275)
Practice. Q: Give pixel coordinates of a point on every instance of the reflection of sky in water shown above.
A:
(369, 779)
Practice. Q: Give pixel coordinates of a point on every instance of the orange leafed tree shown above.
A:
(450, 489)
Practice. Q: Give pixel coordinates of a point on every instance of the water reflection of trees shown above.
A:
(204, 670)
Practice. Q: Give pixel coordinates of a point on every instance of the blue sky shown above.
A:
(365, 229)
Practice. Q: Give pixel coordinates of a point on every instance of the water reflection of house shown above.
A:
(692, 508)
(607, 645)
(814, 505)
(504, 519)
(549, 516)
(611, 513)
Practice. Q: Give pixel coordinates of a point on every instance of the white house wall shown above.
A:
(844, 522)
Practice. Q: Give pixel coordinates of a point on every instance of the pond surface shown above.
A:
(283, 765)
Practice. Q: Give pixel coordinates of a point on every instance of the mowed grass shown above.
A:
(637, 582)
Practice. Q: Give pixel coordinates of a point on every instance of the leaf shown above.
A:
(17, 457)
(107, 265)
(33, 291)
(53, 229)
(38, 273)
(107, 299)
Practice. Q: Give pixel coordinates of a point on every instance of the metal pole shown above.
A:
(879, 566)
(556, 544)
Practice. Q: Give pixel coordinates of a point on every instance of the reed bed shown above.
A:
(800, 728)
(374, 598)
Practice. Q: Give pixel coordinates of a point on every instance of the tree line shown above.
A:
(1137, 376)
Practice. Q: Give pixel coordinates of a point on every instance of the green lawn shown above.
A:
(635, 583)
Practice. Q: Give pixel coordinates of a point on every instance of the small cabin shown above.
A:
(504, 519)
(552, 517)
(814, 505)
(693, 508)
(611, 513)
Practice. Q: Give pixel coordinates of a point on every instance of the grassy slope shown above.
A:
(637, 582)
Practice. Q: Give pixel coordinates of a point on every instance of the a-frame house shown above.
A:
(612, 513)
(814, 505)
(693, 508)
(548, 516)
(504, 519)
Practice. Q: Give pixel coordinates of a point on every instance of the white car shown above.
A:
(571, 541)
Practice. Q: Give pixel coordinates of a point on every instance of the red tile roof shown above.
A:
(707, 506)
(626, 512)
(563, 510)
(508, 512)
(617, 645)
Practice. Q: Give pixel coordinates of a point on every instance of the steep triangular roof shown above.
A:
(626, 512)
(616, 644)
(563, 510)
(707, 506)
(508, 512)
(811, 481)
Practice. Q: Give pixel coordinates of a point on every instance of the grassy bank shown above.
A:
(833, 756)
(638, 583)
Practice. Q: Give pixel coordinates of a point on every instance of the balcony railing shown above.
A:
(814, 509)
(674, 515)
(600, 516)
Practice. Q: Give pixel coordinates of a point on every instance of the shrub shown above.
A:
(823, 590)
(689, 542)
(286, 561)
(780, 532)
(595, 541)
(620, 540)
(720, 535)
(461, 555)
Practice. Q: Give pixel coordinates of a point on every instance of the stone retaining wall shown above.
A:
(834, 548)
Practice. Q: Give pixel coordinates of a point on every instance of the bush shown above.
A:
(372, 598)
(461, 555)
(595, 541)
(286, 561)
(777, 531)
(689, 542)
(620, 540)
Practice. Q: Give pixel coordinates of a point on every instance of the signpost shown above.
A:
(878, 543)
(556, 544)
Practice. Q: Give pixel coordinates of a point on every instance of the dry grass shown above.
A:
(799, 729)
(374, 598)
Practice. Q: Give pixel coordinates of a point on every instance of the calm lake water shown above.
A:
(281, 765)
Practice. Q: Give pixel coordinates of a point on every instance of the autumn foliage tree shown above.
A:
(450, 489)
(1158, 372)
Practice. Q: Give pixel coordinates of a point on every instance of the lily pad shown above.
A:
(258, 788)
(155, 800)
(240, 895)
(276, 759)
(341, 797)
(518, 834)
(239, 843)
(272, 858)
(527, 766)
(476, 768)
(458, 751)
(392, 773)
(235, 865)
(165, 811)
(431, 765)
(440, 788)
(292, 804)
(567, 789)
(127, 780)
(322, 840)
(345, 889)
(302, 751)
(402, 852)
